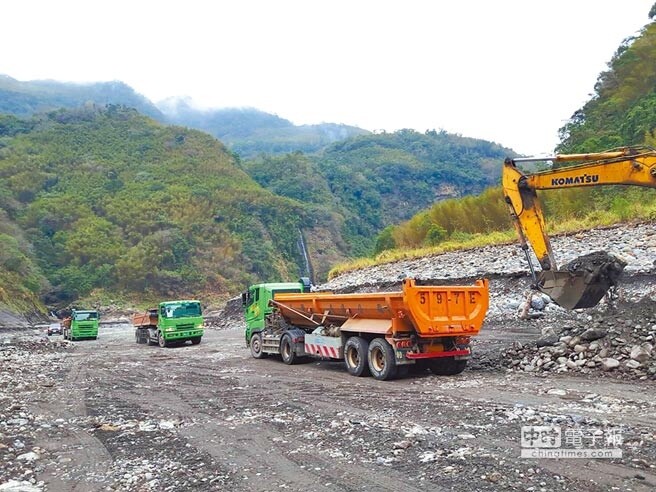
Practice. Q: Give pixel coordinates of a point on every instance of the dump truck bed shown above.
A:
(145, 319)
(430, 311)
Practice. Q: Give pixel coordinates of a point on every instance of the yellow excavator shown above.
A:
(583, 282)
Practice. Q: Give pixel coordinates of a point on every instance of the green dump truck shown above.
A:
(81, 324)
(171, 323)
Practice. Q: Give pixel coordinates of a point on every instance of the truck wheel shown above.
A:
(447, 366)
(256, 346)
(355, 356)
(195, 340)
(381, 360)
(161, 341)
(287, 350)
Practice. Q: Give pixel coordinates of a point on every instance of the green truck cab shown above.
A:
(171, 323)
(256, 302)
(81, 324)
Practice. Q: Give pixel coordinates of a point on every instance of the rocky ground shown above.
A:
(113, 415)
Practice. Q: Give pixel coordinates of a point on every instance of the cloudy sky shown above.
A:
(509, 71)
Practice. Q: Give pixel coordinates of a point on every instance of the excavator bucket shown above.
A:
(583, 282)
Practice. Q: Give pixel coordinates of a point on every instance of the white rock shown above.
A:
(641, 353)
(31, 456)
(557, 392)
(16, 486)
(608, 363)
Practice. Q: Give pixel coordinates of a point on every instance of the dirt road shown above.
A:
(113, 415)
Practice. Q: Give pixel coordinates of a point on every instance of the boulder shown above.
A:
(608, 364)
(593, 334)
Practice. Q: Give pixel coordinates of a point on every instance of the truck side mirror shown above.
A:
(244, 299)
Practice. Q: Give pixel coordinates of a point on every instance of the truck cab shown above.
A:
(171, 323)
(81, 324)
(179, 321)
(256, 302)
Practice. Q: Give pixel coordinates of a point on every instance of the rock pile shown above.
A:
(621, 340)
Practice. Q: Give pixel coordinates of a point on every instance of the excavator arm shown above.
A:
(571, 288)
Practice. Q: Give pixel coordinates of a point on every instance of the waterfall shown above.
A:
(307, 266)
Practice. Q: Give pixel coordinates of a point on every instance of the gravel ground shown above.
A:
(113, 415)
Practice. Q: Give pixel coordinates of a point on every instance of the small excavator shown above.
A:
(583, 282)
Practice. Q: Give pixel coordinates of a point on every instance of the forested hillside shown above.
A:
(374, 181)
(99, 199)
(621, 112)
(109, 199)
(24, 99)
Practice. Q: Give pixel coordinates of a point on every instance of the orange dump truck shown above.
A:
(382, 334)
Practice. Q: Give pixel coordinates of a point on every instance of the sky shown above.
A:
(507, 71)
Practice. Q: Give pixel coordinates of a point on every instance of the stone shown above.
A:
(538, 303)
(593, 334)
(31, 456)
(608, 364)
(547, 341)
(641, 353)
(557, 392)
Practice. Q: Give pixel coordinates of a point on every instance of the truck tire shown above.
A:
(355, 356)
(287, 350)
(447, 366)
(195, 340)
(382, 364)
(256, 346)
(161, 340)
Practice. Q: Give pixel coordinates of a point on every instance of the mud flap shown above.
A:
(584, 281)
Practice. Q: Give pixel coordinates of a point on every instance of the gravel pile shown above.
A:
(28, 367)
(619, 340)
(635, 244)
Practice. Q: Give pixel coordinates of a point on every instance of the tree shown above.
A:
(385, 240)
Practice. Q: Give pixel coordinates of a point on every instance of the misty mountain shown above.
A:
(25, 99)
(249, 132)
(245, 131)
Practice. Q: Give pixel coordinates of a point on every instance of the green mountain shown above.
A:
(622, 110)
(376, 180)
(250, 132)
(109, 199)
(24, 99)
(100, 198)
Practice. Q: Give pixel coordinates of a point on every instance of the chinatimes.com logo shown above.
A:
(552, 441)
